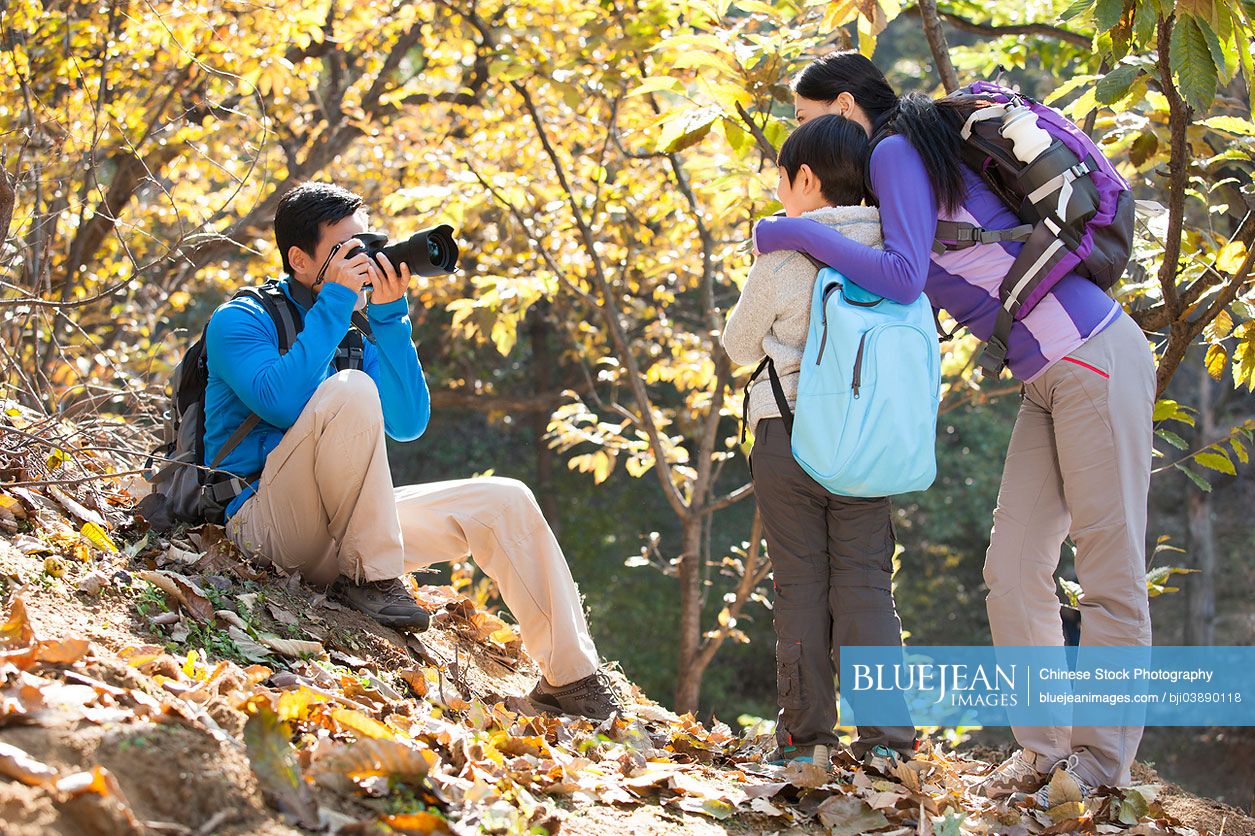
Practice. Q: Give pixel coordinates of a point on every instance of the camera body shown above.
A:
(428, 252)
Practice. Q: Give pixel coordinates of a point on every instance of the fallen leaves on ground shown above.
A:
(340, 739)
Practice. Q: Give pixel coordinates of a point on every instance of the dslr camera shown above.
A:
(428, 252)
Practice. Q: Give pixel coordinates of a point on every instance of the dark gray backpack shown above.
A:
(185, 489)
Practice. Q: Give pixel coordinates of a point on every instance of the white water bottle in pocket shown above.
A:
(1029, 140)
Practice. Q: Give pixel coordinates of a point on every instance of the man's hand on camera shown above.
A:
(391, 285)
(350, 272)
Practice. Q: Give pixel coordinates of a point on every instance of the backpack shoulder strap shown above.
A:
(350, 353)
(239, 435)
(283, 312)
(1046, 247)
(878, 137)
(943, 336)
(362, 323)
(777, 390)
(819, 265)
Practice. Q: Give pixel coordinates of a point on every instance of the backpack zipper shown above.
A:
(823, 307)
(858, 365)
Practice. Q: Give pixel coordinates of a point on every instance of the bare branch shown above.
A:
(764, 144)
(1156, 318)
(937, 45)
(755, 573)
(730, 499)
(521, 220)
(8, 196)
(610, 314)
(1179, 117)
(1041, 30)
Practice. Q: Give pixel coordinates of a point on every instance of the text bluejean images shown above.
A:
(1031, 686)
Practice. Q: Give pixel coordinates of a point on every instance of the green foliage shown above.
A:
(1157, 579)
(1192, 61)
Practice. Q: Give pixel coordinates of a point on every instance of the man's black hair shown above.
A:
(836, 150)
(302, 213)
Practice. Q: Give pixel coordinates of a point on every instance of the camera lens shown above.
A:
(428, 252)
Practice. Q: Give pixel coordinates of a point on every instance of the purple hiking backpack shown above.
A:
(1077, 211)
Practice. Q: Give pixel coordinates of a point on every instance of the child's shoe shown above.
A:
(885, 752)
(817, 754)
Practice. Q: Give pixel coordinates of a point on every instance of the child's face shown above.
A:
(801, 194)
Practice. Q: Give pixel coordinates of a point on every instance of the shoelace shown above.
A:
(1069, 765)
(605, 693)
(393, 592)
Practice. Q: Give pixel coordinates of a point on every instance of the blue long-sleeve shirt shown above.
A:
(248, 374)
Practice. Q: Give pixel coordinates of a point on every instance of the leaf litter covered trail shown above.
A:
(154, 686)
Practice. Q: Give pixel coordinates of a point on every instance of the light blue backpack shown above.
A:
(866, 418)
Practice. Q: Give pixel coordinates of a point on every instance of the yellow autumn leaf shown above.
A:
(504, 637)
(11, 505)
(362, 725)
(1229, 259)
(189, 666)
(296, 705)
(98, 537)
(1217, 357)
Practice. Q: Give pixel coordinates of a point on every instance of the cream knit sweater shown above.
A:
(773, 314)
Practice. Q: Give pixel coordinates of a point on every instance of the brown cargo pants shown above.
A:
(832, 559)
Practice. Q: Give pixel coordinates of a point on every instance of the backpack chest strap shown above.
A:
(958, 235)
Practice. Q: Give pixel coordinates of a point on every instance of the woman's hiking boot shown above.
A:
(1020, 773)
(590, 697)
(386, 601)
(1065, 787)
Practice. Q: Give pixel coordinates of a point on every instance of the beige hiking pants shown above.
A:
(1078, 465)
(326, 507)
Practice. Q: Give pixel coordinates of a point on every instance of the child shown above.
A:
(831, 554)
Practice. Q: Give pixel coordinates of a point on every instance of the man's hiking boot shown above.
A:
(387, 601)
(1020, 773)
(590, 697)
(816, 754)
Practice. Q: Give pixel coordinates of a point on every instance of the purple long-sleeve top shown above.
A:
(963, 282)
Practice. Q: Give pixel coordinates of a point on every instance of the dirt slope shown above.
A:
(170, 686)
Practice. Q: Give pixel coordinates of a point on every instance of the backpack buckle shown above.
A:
(967, 236)
(994, 358)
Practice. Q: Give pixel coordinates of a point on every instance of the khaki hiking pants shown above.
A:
(326, 507)
(832, 568)
(1078, 465)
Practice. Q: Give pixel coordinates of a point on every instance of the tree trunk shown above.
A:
(542, 381)
(937, 44)
(1200, 598)
(8, 196)
(688, 675)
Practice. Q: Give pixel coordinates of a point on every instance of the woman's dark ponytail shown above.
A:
(932, 128)
(934, 131)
